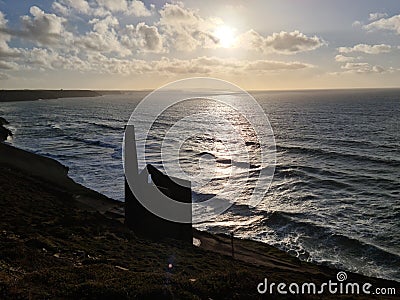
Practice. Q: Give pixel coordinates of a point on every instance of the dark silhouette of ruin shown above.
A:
(151, 182)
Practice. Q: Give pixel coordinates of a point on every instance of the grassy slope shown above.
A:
(52, 246)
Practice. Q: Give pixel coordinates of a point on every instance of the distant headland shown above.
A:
(31, 95)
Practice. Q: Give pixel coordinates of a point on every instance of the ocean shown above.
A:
(335, 195)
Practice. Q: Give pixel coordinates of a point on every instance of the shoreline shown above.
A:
(41, 175)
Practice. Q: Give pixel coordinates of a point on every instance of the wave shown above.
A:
(117, 154)
(108, 126)
(312, 180)
(346, 156)
(351, 143)
(57, 157)
(335, 178)
(94, 143)
(339, 246)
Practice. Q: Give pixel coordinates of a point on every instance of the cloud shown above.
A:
(343, 58)
(214, 65)
(207, 65)
(103, 38)
(102, 26)
(132, 7)
(185, 29)
(3, 20)
(377, 16)
(363, 68)
(7, 65)
(6, 51)
(107, 37)
(138, 9)
(5, 37)
(282, 42)
(69, 8)
(4, 76)
(267, 66)
(113, 5)
(41, 27)
(368, 49)
(142, 38)
(356, 24)
(80, 6)
(44, 59)
(108, 47)
(101, 8)
(391, 24)
(60, 9)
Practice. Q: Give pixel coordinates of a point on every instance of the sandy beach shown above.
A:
(60, 239)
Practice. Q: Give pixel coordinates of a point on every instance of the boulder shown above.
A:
(4, 133)
(3, 121)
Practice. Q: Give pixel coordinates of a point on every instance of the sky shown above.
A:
(256, 44)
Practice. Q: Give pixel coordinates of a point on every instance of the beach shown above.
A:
(60, 239)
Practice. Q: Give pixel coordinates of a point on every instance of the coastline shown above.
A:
(33, 95)
(54, 228)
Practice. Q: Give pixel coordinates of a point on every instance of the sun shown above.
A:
(225, 35)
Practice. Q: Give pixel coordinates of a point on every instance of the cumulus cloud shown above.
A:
(282, 42)
(185, 29)
(7, 65)
(132, 7)
(143, 38)
(137, 8)
(3, 20)
(108, 47)
(71, 7)
(377, 16)
(103, 38)
(368, 49)
(101, 7)
(107, 37)
(391, 24)
(81, 6)
(41, 27)
(60, 9)
(5, 50)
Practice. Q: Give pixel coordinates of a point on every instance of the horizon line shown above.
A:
(248, 90)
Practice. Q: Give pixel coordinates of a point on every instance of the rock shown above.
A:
(3, 121)
(4, 133)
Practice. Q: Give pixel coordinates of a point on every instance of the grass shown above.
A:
(52, 246)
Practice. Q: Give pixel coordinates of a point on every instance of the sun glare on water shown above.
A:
(226, 36)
